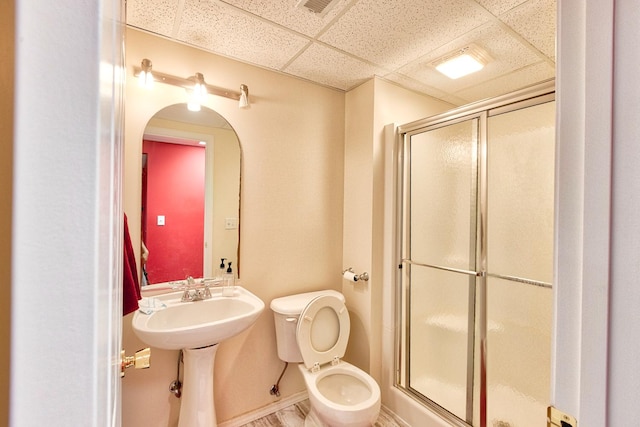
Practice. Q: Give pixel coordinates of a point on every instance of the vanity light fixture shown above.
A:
(190, 84)
(462, 62)
(145, 77)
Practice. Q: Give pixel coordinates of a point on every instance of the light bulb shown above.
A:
(145, 78)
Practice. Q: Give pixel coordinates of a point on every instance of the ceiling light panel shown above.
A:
(462, 62)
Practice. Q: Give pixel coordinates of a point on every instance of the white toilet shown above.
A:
(313, 328)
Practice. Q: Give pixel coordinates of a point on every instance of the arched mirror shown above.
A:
(190, 194)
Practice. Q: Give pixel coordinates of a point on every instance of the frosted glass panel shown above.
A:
(519, 353)
(443, 195)
(521, 155)
(439, 325)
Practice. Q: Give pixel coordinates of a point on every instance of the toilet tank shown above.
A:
(286, 311)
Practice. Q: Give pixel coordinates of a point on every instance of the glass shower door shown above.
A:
(520, 209)
(440, 263)
(476, 263)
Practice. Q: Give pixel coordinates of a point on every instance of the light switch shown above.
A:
(231, 223)
(160, 219)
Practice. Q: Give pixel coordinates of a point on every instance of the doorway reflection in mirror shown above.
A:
(190, 193)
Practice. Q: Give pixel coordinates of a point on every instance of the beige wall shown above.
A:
(358, 155)
(291, 215)
(6, 180)
(369, 108)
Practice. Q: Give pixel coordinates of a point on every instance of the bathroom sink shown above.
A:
(175, 325)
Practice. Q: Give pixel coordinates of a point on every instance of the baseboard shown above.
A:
(265, 410)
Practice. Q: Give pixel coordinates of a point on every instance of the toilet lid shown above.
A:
(323, 330)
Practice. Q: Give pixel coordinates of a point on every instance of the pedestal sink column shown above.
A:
(197, 408)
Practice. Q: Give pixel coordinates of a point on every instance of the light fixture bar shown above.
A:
(187, 83)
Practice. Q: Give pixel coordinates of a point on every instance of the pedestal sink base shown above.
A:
(197, 408)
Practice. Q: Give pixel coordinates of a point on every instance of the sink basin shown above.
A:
(183, 325)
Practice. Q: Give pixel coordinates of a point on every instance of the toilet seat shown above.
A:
(323, 331)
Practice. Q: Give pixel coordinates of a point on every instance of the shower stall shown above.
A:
(474, 257)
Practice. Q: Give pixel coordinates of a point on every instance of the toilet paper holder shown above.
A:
(353, 277)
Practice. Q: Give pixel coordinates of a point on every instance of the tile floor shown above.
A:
(293, 416)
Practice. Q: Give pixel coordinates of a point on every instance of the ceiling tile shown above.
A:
(284, 12)
(420, 87)
(229, 32)
(157, 16)
(506, 52)
(510, 82)
(498, 7)
(392, 32)
(535, 21)
(330, 67)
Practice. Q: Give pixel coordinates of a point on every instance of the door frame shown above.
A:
(583, 192)
(66, 281)
(596, 369)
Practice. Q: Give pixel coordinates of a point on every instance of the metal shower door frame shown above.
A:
(477, 335)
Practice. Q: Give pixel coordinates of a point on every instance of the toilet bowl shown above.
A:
(341, 395)
(312, 329)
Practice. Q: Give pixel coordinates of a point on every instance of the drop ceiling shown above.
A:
(353, 40)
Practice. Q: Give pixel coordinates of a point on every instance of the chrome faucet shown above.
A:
(194, 292)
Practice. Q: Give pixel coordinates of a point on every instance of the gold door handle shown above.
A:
(557, 418)
(141, 360)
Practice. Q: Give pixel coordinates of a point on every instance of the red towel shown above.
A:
(130, 284)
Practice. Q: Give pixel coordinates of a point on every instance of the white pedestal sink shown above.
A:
(197, 328)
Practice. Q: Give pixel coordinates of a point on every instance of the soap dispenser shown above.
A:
(221, 270)
(229, 282)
